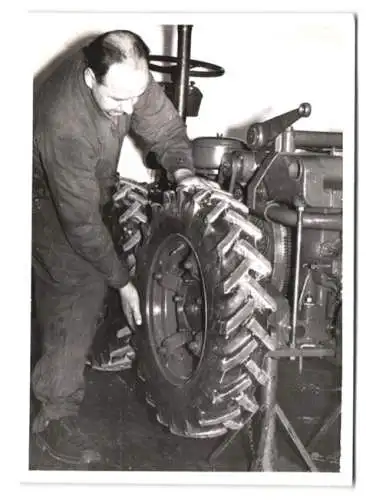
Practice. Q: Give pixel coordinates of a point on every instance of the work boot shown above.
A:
(64, 441)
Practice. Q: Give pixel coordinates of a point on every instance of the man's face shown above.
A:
(122, 86)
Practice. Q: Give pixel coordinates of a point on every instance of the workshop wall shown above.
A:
(272, 62)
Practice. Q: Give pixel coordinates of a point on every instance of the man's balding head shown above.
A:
(117, 71)
(119, 46)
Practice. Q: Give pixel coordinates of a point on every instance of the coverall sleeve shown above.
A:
(70, 165)
(158, 123)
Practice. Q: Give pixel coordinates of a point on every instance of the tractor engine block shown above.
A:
(292, 180)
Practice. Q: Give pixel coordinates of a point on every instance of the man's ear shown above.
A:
(89, 78)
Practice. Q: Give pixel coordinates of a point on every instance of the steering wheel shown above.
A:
(209, 71)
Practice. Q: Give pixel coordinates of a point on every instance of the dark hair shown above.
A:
(104, 51)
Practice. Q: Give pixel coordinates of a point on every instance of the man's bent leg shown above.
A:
(67, 317)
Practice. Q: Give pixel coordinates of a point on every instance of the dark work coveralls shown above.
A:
(76, 149)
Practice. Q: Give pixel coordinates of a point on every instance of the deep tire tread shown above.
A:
(240, 340)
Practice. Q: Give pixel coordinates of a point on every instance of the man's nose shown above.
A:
(127, 106)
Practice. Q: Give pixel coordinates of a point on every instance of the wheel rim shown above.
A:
(176, 308)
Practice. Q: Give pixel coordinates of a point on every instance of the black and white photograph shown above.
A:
(192, 247)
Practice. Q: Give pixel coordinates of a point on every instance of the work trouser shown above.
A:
(67, 316)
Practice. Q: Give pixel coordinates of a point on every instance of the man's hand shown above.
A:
(131, 305)
(199, 183)
(186, 178)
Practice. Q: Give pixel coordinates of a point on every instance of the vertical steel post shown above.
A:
(300, 213)
(266, 453)
(182, 76)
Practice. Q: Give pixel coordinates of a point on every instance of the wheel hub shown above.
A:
(177, 309)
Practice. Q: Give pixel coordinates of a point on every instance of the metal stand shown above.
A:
(296, 440)
(222, 447)
(330, 420)
(266, 454)
(267, 450)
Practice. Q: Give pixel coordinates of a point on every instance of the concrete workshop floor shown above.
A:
(124, 426)
(127, 433)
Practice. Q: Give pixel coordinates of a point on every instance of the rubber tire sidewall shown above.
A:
(179, 403)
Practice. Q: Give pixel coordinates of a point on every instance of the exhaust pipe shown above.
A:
(183, 57)
(288, 217)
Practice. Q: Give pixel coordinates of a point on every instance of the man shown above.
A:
(82, 112)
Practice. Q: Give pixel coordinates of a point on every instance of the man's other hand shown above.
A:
(131, 305)
(186, 178)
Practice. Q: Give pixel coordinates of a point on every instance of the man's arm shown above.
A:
(70, 166)
(156, 120)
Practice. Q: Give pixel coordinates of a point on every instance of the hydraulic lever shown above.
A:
(261, 134)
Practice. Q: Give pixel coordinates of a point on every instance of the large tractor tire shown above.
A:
(204, 336)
